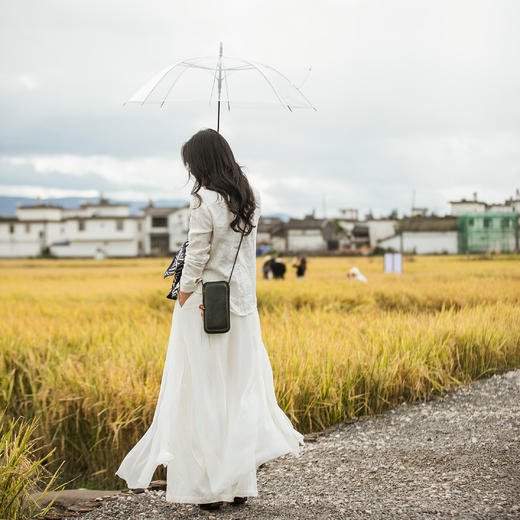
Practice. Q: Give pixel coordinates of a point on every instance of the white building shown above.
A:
(423, 242)
(422, 236)
(380, 228)
(304, 235)
(367, 232)
(499, 208)
(348, 214)
(463, 206)
(265, 227)
(166, 229)
(514, 204)
(419, 212)
(92, 230)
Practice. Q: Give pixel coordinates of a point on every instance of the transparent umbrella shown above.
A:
(159, 88)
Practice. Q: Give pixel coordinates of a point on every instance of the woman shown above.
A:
(300, 264)
(216, 418)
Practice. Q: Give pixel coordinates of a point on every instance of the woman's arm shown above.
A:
(197, 252)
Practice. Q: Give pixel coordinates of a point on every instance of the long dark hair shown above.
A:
(209, 159)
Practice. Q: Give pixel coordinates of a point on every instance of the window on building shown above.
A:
(471, 221)
(81, 225)
(27, 228)
(139, 226)
(505, 222)
(487, 222)
(11, 228)
(159, 222)
(119, 225)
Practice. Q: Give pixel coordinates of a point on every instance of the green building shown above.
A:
(488, 232)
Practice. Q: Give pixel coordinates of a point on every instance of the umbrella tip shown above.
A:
(220, 49)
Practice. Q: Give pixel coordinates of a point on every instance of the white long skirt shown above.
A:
(216, 418)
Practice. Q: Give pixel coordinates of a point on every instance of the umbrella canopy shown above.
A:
(159, 88)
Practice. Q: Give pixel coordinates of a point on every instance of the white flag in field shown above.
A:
(393, 263)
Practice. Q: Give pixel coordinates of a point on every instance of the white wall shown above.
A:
(500, 208)
(349, 214)
(515, 206)
(462, 208)
(88, 248)
(347, 225)
(305, 240)
(37, 213)
(108, 211)
(102, 229)
(25, 241)
(379, 229)
(424, 242)
(279, 244)
(20, 243)
(263, 237)
(178, 227)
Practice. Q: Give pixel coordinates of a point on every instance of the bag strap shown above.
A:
(236, 256)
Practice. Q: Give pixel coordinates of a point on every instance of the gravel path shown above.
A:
(457, 456)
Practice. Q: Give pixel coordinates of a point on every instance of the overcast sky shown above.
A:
(411, 95)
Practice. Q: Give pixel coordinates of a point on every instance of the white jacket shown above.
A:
(212, 248)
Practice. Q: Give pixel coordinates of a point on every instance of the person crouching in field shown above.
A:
(278, 268)
(355, 275)
(267, 268)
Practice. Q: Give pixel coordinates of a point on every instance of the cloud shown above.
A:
(28, 82)
(87, 176)
(410, 95)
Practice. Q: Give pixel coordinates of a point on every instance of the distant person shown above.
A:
(300, 264)
(267, 268)
(278, 268)
(100, 253)
(355, 275)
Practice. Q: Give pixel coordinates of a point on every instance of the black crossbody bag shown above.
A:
(215, 302)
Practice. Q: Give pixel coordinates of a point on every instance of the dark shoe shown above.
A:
(239, 500)
(212, 506)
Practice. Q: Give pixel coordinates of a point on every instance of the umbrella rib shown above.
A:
(159, 80)
(269, 83)
(173, 85)
(242, 67)
(227, 90)
(202, 67)
(290, 83)
(213, 85)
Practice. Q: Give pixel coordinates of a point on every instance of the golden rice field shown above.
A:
(83, 343)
